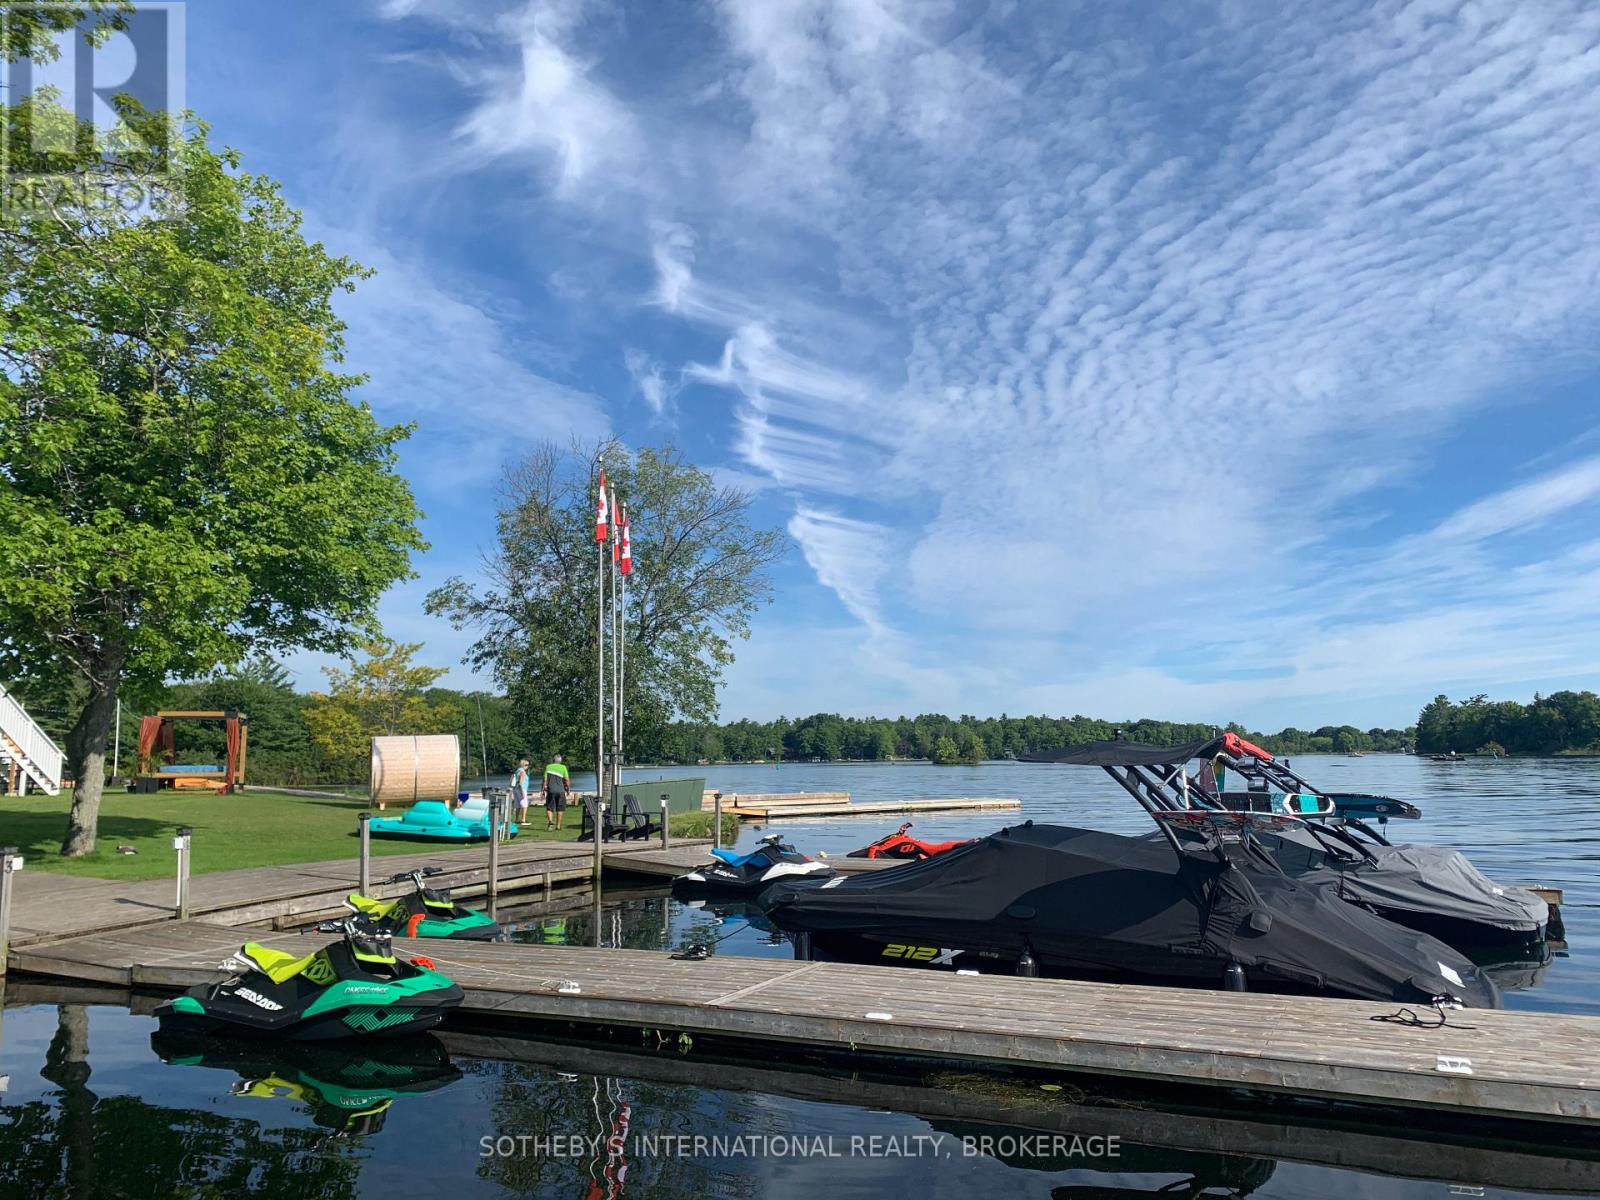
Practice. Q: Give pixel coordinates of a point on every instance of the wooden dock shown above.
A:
(750, 808)
(48, 906)
(1488, 1064)
(672, 862)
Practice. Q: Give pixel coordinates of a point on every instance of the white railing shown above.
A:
(21, 739)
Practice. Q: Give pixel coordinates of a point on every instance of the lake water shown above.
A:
(89, 1109)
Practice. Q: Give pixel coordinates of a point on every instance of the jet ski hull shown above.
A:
(329, 995)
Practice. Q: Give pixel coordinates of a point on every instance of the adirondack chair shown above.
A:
(635, 824)
(611, 828)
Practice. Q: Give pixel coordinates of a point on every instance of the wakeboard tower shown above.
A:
(1201, 905)
(424, 912)
(1323, 841)
(354, 987)
(731, 873)
(900, 844)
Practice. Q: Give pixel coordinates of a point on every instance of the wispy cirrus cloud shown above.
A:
(1131, 310)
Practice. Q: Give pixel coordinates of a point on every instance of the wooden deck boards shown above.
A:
(757, 812)
(672, 862)
(1522, 1064)
(47, 906)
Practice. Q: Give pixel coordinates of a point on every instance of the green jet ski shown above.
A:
(426, 912)
(354, 987)
(346, 1086)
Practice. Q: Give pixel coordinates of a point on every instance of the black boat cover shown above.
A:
(1411, 882)
(1128, 754)
(1086, 901)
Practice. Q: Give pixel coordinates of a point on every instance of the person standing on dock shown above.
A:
(556, 781)
(521, 785)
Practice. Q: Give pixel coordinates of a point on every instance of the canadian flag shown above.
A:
(601, 513)
(616, 530)
(625, 559)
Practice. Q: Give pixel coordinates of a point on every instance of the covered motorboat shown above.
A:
(1202, 905)
(1430, 888)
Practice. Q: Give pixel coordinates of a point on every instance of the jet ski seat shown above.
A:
(475, 808)
(278, 965)
(733, 859)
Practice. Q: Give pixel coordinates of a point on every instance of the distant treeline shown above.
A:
(830, 737)
(1562, 722)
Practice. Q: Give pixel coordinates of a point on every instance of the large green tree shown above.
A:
(700, 574)
(184, 478)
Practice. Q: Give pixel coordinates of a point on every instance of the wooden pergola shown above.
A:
(156, 737)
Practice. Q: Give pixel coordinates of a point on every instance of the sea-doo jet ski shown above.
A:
(900, 844)
(425, 912)
(1202, 905)
(733, 873)
(1429, 888)
(346, 1086)
(354, 987)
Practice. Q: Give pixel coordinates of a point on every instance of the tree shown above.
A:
(700, 574)
(945, 753)
(381, 697)
(184, 478)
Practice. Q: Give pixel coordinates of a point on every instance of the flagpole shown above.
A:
(600, 669)
(616, 681)
(622, 662)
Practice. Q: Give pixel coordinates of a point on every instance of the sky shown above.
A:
(1203, 361)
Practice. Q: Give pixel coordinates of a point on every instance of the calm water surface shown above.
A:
(90, 1109)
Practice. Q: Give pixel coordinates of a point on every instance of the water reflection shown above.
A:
(91, 1113)
(345, 1087)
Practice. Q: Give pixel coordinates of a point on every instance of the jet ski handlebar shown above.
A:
(416, 873)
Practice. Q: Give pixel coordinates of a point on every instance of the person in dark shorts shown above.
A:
(556, 783)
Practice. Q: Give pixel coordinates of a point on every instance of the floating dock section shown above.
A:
(772, 806)
(1483, 1063)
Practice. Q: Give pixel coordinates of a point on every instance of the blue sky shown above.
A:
(1188, 360)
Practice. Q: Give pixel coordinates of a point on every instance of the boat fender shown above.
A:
(1233, 978)
(1027, 965)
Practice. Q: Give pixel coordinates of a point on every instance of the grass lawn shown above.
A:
(249, 829)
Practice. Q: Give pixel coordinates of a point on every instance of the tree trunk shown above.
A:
(86, 754)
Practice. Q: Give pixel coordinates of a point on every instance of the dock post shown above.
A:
(666, 816)
(364, 828)
(598, 815)
(181, 845)
(10, 864)
(492, 888)
(802, 947)
(716, 820)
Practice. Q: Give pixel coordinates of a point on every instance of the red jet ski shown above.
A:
(899, 845)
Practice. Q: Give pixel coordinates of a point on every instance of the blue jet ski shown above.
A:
(732, 873)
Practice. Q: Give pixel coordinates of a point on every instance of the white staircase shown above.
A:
(23, 743)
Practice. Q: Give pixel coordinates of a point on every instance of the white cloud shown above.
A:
(649, 378)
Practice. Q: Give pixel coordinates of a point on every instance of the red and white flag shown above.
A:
(602, 515)
(625, 562)
(616, 530)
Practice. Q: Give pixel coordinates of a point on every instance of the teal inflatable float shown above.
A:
(432, 821)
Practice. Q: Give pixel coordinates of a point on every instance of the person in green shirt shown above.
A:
(556, 783)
